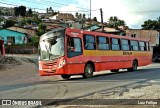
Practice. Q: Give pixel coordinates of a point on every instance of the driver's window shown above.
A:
(74, 47)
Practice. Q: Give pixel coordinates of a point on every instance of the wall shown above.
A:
(21, 50)
(19, 37)
(64, 16)
(151, 35)
(30, 32)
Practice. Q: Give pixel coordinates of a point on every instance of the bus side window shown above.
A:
(103, 43)
(125, 45)
(142, 46)
(115, 44)
(147, 46)
(134, 45)
(74, 47)
(89, 42)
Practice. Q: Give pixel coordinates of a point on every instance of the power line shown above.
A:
(45, 1)
(45, 9)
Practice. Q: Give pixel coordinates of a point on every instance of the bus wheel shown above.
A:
(115, 70)
(134, 66)
(65, 76)
(88, 71)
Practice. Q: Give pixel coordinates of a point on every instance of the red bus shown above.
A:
(67, 52)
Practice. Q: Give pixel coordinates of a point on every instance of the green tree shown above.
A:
(36, 19)
(77, 15)
(150, 24)
(16, 11)
(21, 10)
(80, 16)
(41, 29)
(1, 19)
(95, 19)
(29, 13)
(115, 22)
(29, 21)
(121, 22)
(23, 22)
(47, 10)
(9, 23)
(84, 16)
(34, 40)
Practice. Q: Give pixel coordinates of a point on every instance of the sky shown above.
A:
(133, 12)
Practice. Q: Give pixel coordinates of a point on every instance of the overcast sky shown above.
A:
(133, 12)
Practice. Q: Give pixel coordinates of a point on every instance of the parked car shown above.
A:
(157, 59)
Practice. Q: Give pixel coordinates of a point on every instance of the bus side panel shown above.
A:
(144, 62)
(75, 65)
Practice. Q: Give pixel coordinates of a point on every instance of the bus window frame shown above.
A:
(119, 43)
(129, 44)
(84, 41)
(80, 53)
(134, 45)
(97, 41)
(141, 46)
(148, 46)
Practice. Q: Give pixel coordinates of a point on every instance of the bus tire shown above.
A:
(134, 66)
(65, 76)
(88, 71)
(115, 70)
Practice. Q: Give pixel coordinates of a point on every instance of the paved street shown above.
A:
(29, 85)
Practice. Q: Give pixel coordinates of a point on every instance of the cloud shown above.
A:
(133, 12)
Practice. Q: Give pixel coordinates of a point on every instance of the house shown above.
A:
(111, 31)
(12, 37)
(2, 50)
(64, 16)
(29, 32)
(152, 35)
(7, 11)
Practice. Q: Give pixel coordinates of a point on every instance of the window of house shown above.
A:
(89, 42)
(115, 44)
(103, 43)
(74, 46)
(125, 45)
(142, 46)
(11, 39)
(134, 45)
(133, 35)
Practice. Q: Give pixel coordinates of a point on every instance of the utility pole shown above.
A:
(90, 9)
(101, 12)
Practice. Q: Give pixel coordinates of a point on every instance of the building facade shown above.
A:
(152, 35)
(12, 37)
(29, 32)
(65, 16)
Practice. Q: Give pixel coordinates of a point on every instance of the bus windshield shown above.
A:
(51, 45)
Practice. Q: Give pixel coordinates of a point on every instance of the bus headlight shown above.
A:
(61, 63)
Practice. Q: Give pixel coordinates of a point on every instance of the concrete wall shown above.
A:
(151, 35)
(19, 37)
